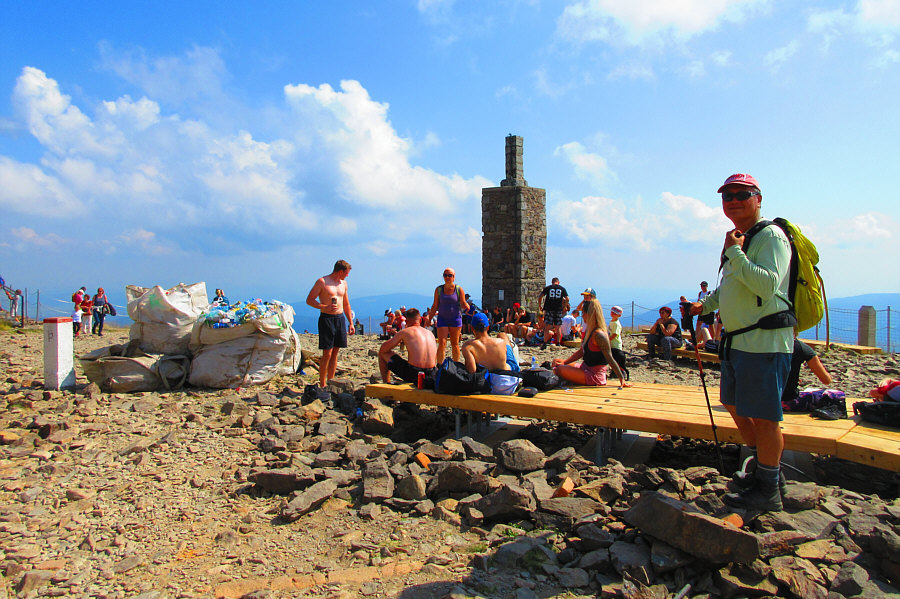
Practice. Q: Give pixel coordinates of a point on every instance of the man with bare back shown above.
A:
(329, 296)
(421, 349)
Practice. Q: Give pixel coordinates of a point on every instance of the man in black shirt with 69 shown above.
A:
(554, 302)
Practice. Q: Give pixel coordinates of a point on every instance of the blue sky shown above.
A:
(250, 145)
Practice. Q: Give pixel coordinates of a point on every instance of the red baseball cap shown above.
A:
(739, 179)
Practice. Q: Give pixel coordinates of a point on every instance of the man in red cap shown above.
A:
(751, 298)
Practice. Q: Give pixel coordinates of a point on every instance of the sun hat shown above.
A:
(589, 291)
(516, 305)
(481, 320)
(739, 179)
(616, 309)
(666, 308)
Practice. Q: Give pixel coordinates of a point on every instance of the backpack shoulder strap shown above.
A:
(748, 237)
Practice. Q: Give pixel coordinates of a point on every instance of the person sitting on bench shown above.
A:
(493, 353)
(665, 333)
(421, 347)
(595, 352)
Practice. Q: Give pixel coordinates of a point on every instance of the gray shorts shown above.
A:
(753, 383)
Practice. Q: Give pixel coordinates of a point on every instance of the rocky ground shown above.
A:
(259, 492)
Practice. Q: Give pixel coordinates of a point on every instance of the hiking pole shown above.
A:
(687, 319)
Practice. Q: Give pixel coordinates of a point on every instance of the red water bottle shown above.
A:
(420, 383)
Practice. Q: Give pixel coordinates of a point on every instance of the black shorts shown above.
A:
(332, 331)
(405, 370)
(708, 319)
(553, 318)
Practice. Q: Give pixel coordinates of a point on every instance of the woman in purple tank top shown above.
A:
(449, 304)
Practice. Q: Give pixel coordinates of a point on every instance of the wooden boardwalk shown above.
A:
(683, 353)
(667, 409)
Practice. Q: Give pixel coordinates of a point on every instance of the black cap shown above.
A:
(703, 283)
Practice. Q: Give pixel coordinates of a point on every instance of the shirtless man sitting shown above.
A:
(493, 353)
(421, 347)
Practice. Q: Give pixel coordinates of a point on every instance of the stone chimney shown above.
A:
(514, 236)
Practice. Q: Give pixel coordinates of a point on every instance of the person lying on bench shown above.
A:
(595, 352)
(493, 353)
(421, 347)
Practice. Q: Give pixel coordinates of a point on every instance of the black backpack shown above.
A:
(542, 379)
(879, 412)
(451, 377)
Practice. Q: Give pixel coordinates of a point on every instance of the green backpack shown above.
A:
(806, 290)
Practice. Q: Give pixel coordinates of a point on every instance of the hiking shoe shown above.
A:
(758, 497)
(745, 478)
(833, 411)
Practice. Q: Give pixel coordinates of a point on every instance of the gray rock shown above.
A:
(379, 420)
(702, 536)
(327, 459)
(455, 477)
(801, 496)
(266, 399)
(509, 555)
(507, 502)
(800, 576)
(598, 559)
(851, 579)
(378, 484)
(520, 455)
(605, 490)
(271, 445)
(812, 523)
(412, 487)
(476, 450)
(283, 480)
(631, 559)
(739, 580)
(359, 452)
(594, 537)
(572, 578)
(33, 580)
(559, 459)
(454, 449)
(332, 427)
(572, 507)
(665, 558)
(308, 500)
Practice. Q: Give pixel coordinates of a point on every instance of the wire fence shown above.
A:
(843, 322)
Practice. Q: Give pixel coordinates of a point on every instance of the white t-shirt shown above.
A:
(568, 322)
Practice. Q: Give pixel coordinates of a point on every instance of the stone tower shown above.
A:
(514, 241)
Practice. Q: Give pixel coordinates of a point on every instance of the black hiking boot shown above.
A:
(745, 477)
(760, 497)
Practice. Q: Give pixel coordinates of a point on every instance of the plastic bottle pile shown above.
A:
(239, 312)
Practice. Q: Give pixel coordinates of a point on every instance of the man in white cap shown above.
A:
(757, 357)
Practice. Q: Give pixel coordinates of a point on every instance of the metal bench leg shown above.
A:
(457, 416)
(600, 440)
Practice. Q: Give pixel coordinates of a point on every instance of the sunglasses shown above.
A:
(741, 196)
(448, 275)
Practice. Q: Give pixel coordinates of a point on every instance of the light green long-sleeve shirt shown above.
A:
(763, 272)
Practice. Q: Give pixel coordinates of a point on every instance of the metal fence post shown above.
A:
(632, 316)
(889, 348)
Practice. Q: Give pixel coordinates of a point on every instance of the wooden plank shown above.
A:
(873, 444)
(860, 349)
(684, 353)
(683, 412)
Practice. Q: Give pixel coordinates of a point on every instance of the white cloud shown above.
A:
(28, 190)
(26, 236)
(588, 165)
(777, 57)
(467, 242)
(721, 58)
(372, 158)
(633, 23)
(868, 229)
(197, 181)
(632, 71)
(601, 221)
(880, 13)
(608, 222)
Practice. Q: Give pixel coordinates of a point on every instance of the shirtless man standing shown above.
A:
(484, 350)
(329, 296)
(421, 346)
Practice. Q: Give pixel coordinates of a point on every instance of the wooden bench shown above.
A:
(860, 349)
(684, 353)
(667, 409)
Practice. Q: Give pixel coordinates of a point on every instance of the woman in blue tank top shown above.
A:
(449, 304)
